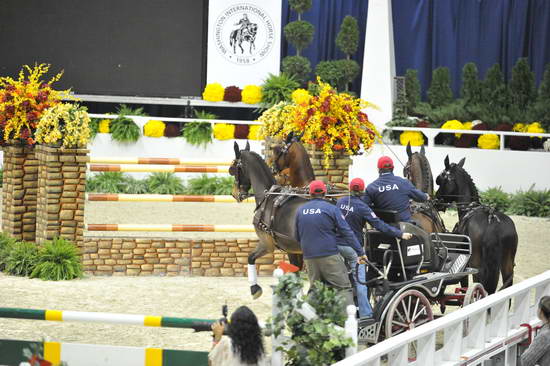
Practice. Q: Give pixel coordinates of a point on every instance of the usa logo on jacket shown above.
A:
(388, 187)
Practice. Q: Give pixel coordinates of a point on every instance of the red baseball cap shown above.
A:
(317, 186)
(357, 184)
(385, 162)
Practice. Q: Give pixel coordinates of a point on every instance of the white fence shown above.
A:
(468, 336)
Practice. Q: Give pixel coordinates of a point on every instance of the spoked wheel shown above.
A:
(474, 293)
(408, 311)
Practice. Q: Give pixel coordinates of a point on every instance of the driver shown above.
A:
(390, 192)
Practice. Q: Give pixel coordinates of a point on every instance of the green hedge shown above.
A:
(525, 203)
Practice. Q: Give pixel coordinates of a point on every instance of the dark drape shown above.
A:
(327, 16)
(433, 33)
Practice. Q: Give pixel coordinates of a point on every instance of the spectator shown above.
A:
(538, 352)
(244, 344)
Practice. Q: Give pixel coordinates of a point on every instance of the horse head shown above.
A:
(418, 170)
(242, 185)
(280, 159)
(448, 180)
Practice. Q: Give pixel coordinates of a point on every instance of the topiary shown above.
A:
(338, 73)
(440, 92)
(58, 259)
(300, 6)
(347, 39)
(299, 34)
(297, 67)
(22, 259)
(522, 87)
(278, 88)
(471, 90)
(412, 89)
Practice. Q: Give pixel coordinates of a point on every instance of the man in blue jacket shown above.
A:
(357, 213)
(320, 228)
(389, 192)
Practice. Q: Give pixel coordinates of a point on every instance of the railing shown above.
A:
(431, 133)
(174, 119)
(471, 335)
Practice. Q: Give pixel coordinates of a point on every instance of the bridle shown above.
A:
(275, 168)
(236, 170)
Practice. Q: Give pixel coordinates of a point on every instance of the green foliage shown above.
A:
(124, 129)
(539, 111)
(164, 183)
(278, 88)
(471, 90)
(496, 198)
(347, 39)
(297, 67)
(313, 342)
(439, 115)
(124, 110)
(412, 88)
(338, 73)
(6, 245)
(57, 260)
(440, 93)
(522, 86)
(94, 127)
(107, 182)
(22, 259)
(205, 185)
(135, 186)
(199, 133)
(531, 203)
(299, 34)
(300, 6)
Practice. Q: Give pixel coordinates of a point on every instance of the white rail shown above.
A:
(174, 119)
(471, 335)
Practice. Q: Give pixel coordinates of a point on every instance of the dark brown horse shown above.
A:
(275, 211)
(292, 162)
(493, 234)
(419, 172)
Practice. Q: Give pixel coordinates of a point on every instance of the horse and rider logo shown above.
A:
(244, 34)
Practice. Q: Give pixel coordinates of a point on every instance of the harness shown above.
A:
(471, 210)
(266, 210)
(428, 210)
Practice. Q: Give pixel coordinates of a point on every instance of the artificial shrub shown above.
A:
(531, 203)
(278, 88)
(164, 183)
(440, 92)
(496, 198)
(57, 260)
(22, 259)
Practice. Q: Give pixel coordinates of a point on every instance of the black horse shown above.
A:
(493, 234)
(246, 34)
(275, 211)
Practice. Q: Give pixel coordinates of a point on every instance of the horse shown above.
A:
(493, 234)
(419, 172)
(246, 34)
(275, 212)
(292, 162)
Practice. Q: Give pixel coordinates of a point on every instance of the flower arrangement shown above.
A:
(104, 125)
(535, 127)
(241, 132)
(488, 141)
(66, 124)
(232, 94)
(301, 96)
(154, 128)
(251, 94)
(24, 101)
(453, 125)
(414, 138)
(213, 92)
(224, 131)
(519, 127)
(329, 120)
(254, 132)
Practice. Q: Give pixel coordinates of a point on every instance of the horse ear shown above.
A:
(447, 165)
(237, 150)
(461, 162)
(289, 137)
(409, 151)
(422, 151)
(247, 147)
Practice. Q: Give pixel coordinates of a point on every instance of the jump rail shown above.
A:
(159, 169)
(115, 197)
(491, 326)
(170, 228)
(153, 161)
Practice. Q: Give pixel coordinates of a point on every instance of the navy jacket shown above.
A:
(357, 213)
(389, 192)
(320, 228)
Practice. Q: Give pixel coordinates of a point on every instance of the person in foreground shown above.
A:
(357, 213)
(538, 352)
(320, 228)
(390, 192)
(244, 344)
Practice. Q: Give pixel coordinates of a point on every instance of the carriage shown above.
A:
(406, 277)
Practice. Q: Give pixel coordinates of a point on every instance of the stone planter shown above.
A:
(19, 193)
(62, 181)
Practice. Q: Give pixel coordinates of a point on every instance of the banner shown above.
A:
(244, 41)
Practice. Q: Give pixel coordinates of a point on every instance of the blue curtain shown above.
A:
(327, 16)
(433, 33)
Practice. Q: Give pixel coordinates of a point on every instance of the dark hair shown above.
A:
(246, 335)
(544, 306)
(385, 170)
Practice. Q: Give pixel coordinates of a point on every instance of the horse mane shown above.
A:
(466, 176)
(422, 168)
(261, 163)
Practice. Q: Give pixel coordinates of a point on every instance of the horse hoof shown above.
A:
(256, 291)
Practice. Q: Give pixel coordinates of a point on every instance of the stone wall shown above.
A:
(120, 256)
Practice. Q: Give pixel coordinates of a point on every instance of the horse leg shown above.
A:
(260, 250)
(507, 266)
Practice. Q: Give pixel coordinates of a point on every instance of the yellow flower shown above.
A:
(453, 125)
(65, 124)
(415, 138)
(254, 132)
(104, 125)
(223, 131)
(535, 127)
(252, 94)
(213, 92)
(300, 96)
(519, 127)
(467, 125)
(488, 141)
(154, 128)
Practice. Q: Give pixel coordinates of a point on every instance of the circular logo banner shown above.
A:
(244, 34)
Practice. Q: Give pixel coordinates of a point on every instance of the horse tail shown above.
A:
(491, 254)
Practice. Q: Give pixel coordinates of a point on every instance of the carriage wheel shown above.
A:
(474, 293)
(408, 311)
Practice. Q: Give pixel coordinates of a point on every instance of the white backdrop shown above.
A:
(244, 41)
